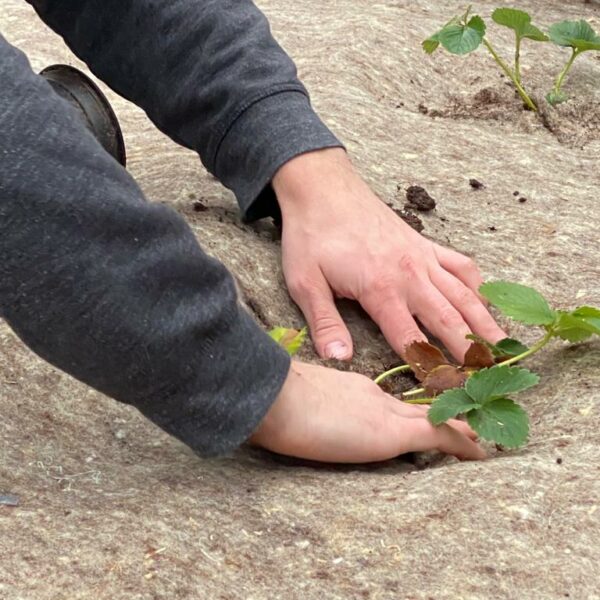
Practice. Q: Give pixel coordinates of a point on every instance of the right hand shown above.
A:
(333, 416)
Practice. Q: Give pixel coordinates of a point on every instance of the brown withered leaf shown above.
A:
(423, 358)
(479, 356)
(442, 378)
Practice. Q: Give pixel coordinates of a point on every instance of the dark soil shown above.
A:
(418, 198)
(200, 206)
(409, 218)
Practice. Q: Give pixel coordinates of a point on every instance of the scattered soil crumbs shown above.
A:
(409, 218)
(576, 123)
(418, 198)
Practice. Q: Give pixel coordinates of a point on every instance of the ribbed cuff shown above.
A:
(268, 134)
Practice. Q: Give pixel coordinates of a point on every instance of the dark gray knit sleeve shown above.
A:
(209, 74)
(115, 290)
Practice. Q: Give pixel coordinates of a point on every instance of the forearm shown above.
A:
(115, 290)
(209, 74)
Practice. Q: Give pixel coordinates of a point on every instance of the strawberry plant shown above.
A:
(466, 33)
(482, 388)
(580, 37)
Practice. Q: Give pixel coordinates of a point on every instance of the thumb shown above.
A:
(327, 329)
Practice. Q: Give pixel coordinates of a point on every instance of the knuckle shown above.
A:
(465, 297)
(408, 266)
(299, 285)
(381, 287)
(449, 317)
(324, 323)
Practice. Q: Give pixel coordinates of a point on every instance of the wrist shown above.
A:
(308, 178)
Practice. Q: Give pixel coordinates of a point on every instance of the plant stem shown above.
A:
(535, 348)
(394, 371)
(419, 400)
(518, 60)
(561, 77)
(414, 392)
(509, 73)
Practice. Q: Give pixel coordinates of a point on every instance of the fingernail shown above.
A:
(337, 350)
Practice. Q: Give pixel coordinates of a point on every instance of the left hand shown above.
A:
(340, 240)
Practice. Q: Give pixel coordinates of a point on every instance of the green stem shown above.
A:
(561, 77)
(419, 400)
(535, 348)
(394, 371)
(518, 60)
(414, 392)
(509, 73)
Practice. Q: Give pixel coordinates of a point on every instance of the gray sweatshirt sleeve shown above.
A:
(115, 290)
(209, 74)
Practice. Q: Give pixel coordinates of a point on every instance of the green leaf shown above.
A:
(575, 34)
(504, 348)
(462, 39)
(519, 302)
(520, 22)
(431, 44)
(290, 339)
(495, 382)
(509, 347)
(575, 329)
(501, 421)
(591, 314)
(450, 404)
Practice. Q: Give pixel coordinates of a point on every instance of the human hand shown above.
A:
(340, 240)
(332, 416)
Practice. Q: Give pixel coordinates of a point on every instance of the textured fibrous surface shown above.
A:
(112, 508)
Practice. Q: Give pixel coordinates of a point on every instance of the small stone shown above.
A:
(516, 193)
(559, 461)
(476, 184)
(522, 199)
(200, 207)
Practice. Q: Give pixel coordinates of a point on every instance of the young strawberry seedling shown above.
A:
(580, 37)
(480, 388)
(465, 34)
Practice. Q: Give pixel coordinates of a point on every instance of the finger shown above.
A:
(463, 428)
(410, 411)
(390, 312)
(468, 304)
(461, 266)
(442, 319)
(420, 411)
(327, 329)
(422, 436)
